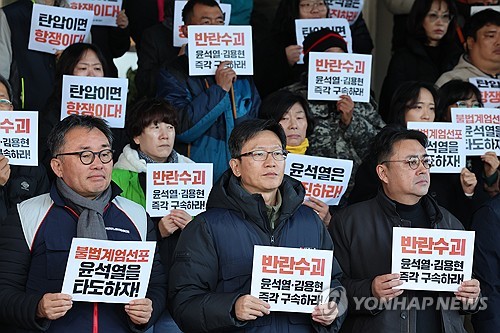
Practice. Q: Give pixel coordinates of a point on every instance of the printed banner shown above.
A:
(482, 129)
(179, 38)
(108, 271)
(334, 74)
(19, 137)
(55, 28)
(177, 186)
(432, 259)
(348, 9)
(446, 145)
(303, 27)
(102, 97)
(105, 11)
(209, 45)
(291, 280)
(490, 90)
(323, 178)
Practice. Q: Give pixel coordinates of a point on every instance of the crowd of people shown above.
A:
(90, 181)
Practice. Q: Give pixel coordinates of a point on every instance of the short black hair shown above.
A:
(418, 13)
(286, 14)
(278, 103)
(146, 112)
(452, 92)
(56, 137)
(248, 129)
(187, 11)
(479, 20)
(384, 141)
(405, 97)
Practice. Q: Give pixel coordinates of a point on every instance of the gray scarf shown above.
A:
(90, 222)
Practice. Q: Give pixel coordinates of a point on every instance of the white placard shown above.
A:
(179, 38)
(348, 9)
(19, 137)
(475, 9)
(102, 97)
(209, 45)
(482, 129)
(490, 90)
(323, 178)
(177, 186)
(302, 275)
(105, 11)
(432, 259)
(446, 145)
(304, 27)
(108, 271)
(334, 74)
(55, 28)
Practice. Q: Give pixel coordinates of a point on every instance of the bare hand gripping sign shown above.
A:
(108, 271)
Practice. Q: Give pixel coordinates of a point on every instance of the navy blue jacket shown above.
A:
(213, 260)
(34, 249)
(205, 112)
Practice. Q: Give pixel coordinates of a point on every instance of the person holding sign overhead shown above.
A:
(17, 182)
(208, 106)
(35, 240)
(363, 236)
(253, 203)
(292, 113)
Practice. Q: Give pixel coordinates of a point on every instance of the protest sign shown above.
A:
(446, 145)
(55, 28)
(291, 280)
(105, 11)
(323, 178)
(482, 129)
(102, 97)
(179, 38)
(334, 74)
(303, 27)
(490, 90)
(432, 259)
(348, 9)
(476, 9)
(177, 186)
(209, 45)
(108, 271)
(19, 137)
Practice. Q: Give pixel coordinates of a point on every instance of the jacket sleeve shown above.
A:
(193, 301)
(361, 40)
(359, 288)
(17, 307)
(487, 226)
(196, 114)
(364, 126)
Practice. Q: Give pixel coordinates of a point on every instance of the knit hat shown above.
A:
(322, 40)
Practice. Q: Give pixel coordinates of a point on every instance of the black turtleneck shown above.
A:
(428, 319)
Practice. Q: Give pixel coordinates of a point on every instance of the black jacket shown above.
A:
(415, 63)
(213, 260)
(363, 236)
(24, 182)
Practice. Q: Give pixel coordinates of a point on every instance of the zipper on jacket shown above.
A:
(95, 322)
(272, 240)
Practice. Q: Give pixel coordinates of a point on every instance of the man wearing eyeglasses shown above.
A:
(363, 238)
(253, 203)
(482, 56)
(35, 241)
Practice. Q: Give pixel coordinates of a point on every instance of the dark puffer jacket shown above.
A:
(213, 259)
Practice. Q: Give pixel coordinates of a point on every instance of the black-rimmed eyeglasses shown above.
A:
(414, 162)
(88, 156)
(261, 155)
